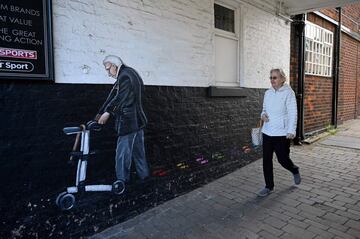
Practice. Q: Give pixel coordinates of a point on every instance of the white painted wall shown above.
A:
(266, 41)
(170, 42)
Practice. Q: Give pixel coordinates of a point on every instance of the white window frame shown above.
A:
(236, 7)
(318, 50)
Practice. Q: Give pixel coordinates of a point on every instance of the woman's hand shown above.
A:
(104, 118)
(265, 117)
(290, 136)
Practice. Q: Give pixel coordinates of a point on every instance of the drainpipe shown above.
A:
(336, 71)
(300, 39)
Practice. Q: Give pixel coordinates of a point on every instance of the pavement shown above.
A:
(325, 205)
(347, 137)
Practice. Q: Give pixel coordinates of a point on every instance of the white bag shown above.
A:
(256, 135)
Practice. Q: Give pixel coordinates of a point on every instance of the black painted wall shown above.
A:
(184, 125)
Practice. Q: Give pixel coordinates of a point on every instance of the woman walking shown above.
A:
(279, 115)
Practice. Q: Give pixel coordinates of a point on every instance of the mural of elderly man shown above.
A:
(124, 103)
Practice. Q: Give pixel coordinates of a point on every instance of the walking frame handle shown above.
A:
(77, 142)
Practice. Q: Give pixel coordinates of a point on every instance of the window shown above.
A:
(318, 50)
(224, 18)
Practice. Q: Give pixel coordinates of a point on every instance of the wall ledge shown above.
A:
(216, 91)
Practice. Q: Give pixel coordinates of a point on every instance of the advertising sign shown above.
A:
(25, 40)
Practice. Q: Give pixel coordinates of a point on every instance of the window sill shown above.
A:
(318, 75)
(216, 91)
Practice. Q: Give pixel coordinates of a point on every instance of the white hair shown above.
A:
(280, 72)
(115, 60)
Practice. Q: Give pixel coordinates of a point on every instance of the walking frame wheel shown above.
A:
(65, 201)
(118, 187)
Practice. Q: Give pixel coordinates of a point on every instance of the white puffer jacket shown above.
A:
(281, 108)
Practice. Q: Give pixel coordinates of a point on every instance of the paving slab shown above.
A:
(343, 141)
(348, 136)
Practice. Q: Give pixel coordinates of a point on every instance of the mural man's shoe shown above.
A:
(143, 180)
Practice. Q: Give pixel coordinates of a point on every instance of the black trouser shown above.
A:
(281, 146)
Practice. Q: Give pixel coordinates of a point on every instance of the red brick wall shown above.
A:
(348, 82)
(318, 91)
(350, 15)
(293, 60)
(330, 12)
(317, 102)
(352, 11)
(358, 81)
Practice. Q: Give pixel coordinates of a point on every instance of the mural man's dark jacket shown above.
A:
(124, 102)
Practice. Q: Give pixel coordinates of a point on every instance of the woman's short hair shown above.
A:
(280, 72)
(115, 60)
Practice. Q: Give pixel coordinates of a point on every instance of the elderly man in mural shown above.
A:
(124, 103)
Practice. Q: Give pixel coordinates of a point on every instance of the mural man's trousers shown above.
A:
(281, 146)
(130, 148)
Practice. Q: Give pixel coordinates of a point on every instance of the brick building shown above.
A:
(205, 65)
(319, 83)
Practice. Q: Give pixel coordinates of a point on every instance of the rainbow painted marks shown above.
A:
(246, 153)
(182, 165)
(218, 156)
(201, 160)
(159, 173)
(235, 153)
(246, 149)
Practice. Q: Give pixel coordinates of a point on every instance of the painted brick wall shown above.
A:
(169, 42)
(184, 125)
(266, 46)
(155, 37)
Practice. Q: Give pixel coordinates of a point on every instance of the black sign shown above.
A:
(25, 40)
